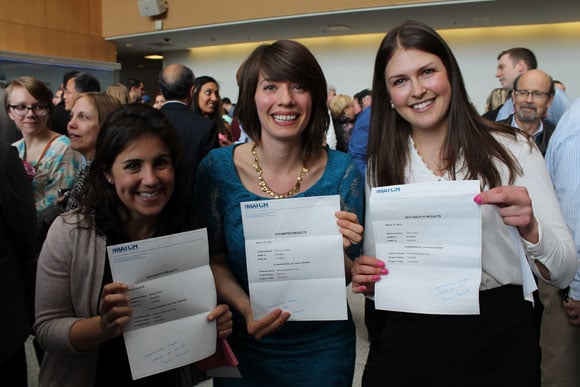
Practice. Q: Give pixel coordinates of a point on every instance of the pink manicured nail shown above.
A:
(381, 264)
(384, 271)
(376, 277)
(477, 199)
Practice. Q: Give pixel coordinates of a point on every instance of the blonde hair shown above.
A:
(119, 91)
(339, 103)
(496, 98)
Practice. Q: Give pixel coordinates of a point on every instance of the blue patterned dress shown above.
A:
(300, 353)
(56, 170)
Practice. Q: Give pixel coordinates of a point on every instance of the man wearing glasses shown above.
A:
(510, 64)
(532, 95)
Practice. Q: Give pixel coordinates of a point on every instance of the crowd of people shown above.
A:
(97, 168)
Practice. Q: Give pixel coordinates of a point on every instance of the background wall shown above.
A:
(57, 28)
(122, 17)
(348, 61)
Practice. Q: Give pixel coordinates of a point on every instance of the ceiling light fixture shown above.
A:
(154, 56)
(336, 28)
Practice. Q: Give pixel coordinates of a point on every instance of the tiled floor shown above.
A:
(356, 303)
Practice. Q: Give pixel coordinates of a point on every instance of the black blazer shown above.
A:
(59, 119)
(543, 138)
(17, 241)
(198, 135)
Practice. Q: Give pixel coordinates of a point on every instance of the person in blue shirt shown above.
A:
(357, 147)
(560, 335)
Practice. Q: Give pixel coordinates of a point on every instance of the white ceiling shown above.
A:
(443, 15)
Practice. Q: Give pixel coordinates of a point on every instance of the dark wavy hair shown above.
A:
(216, 116)
(121, 128)
(284, 60)
(469, 135)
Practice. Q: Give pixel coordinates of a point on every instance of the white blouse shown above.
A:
(499, 257)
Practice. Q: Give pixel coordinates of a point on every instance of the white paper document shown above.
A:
(172, 291)
(295, 258)
(429, 236)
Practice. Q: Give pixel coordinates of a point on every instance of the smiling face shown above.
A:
(144, 178)
(419, 88)
(31, 123)
(83, 127)
(283, 108)
(209, 98)
(532, 109)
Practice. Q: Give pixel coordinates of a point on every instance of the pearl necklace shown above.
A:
(264, 186)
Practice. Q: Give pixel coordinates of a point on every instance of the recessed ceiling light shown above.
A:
(154, 57)
(128, 45)
(336, 28)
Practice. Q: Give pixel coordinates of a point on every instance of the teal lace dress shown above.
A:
(316, 353)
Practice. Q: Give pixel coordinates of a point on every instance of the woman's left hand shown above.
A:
(572, 308)
(350, 228)
(515, 208)
(223, 315)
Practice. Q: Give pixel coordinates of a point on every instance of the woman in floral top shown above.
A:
(47, 156)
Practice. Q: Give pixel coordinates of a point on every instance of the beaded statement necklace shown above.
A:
(264, 186)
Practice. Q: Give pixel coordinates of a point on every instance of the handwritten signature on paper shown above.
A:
(292, 305)
(452, 290)
(167, 353)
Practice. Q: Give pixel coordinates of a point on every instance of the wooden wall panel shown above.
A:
(122, 17)
(68, 15)
(29, 12)
(95, 18)
(22, 38)
(55, 28)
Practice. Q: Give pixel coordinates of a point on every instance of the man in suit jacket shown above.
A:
(198, 135)
(17, 241)
(532, 95)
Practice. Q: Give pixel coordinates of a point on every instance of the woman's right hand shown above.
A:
(114, 309)
(268, 324)
(366, 271)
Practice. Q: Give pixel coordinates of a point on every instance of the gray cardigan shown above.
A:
(68, 284)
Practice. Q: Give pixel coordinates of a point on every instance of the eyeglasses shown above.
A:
(536, 94)
(22, 110)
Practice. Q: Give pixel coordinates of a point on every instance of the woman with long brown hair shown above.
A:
(424, 129)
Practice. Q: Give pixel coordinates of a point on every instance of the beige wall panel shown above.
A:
(122, 17)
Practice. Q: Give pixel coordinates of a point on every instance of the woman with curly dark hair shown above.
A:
(135, 189)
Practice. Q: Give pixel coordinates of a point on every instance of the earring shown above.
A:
(110, 180)
(392, 105)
